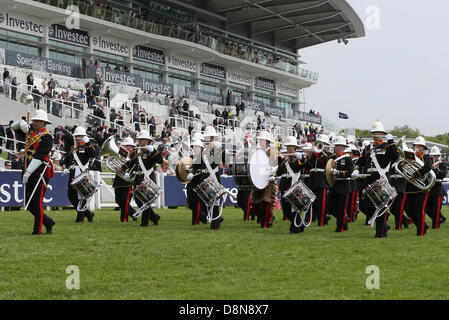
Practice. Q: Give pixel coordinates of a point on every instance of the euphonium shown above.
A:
(405, 167)
(116, 158)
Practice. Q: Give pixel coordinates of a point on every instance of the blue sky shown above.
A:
(397, 73)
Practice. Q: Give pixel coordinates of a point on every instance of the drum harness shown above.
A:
(81, 207)
(295, 178)
(382, 172)
(211, 209)
(147, 174)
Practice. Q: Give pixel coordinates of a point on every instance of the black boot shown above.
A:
(50, 227)
(155, 218)
(90, 216)
(79, 217)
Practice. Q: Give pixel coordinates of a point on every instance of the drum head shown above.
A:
(259, 169)
(181, 169)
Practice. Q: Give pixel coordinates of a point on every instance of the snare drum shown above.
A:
(85, 184)
(147, 192)
(299, 196)
(381, 193)
(209, 191)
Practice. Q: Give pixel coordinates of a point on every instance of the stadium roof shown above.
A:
(285, 24)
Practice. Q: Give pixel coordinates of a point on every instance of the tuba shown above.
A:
(117, 157)
(408, 164)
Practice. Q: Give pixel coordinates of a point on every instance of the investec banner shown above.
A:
(11, 190)
(73, 36)
(110, 45)
(133, 80)
(29, 61)
(21, 23)
(182, 63)
(205, 96)
(263, 83)
(213, 70)
(287, 90)
(149, 54)
(240, 78)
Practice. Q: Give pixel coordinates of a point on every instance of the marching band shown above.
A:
(331, 177)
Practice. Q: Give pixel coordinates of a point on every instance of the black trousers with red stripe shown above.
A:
(434, 204)
(148, 215)
(381, 221)
(415, 206)
(73, 197)
(36, 206)
(397, 209)
(244, 202)
(319, 208)
(287, 209)
(123, 197)
(338, 203)
(264, 213)
(199, 209)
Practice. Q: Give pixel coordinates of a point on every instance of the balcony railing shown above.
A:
(219, 43)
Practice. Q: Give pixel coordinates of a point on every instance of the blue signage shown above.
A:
(176, 192)
(11, 190)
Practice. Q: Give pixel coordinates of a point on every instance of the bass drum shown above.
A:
(240, 170)
(259, 169)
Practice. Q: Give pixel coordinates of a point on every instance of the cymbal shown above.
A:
(330, 178)
(181, 169)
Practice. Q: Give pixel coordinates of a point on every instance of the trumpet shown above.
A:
(406, 167)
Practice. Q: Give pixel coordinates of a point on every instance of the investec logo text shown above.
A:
(111, 46)
(19, 23)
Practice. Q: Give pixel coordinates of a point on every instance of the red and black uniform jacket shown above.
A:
(38, 146)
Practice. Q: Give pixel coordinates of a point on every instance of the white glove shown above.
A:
(189, 176)
(389, 137)
(86, 139)
(355, 174)
(25, 177)
(217, 144)
(127, 177)
(272, 179)
(66, 171)
(150, 148)
(334, 172)
(298, 155)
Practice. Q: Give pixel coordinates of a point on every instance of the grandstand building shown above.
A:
(212, 53)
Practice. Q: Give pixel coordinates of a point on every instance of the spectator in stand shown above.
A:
(30, 81)
(99, 112)
(5, 73)
(51, 85)
(56, 158)
(185, 108)
(17, 162)
(47, 98)
(152, 126)
(107, 95)
(89, 95)
(14, 85)
(44, 84)
(7, 85)
(99, 136)
(96, 65)
(8, 165)
(113, 115)
(217, 113)
(36, 97)
(117, 68)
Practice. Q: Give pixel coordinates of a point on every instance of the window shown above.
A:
(180, 81)
(210, 88)
(148, 75)
(264, 100)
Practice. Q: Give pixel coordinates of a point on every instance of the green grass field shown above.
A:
(240, 261)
